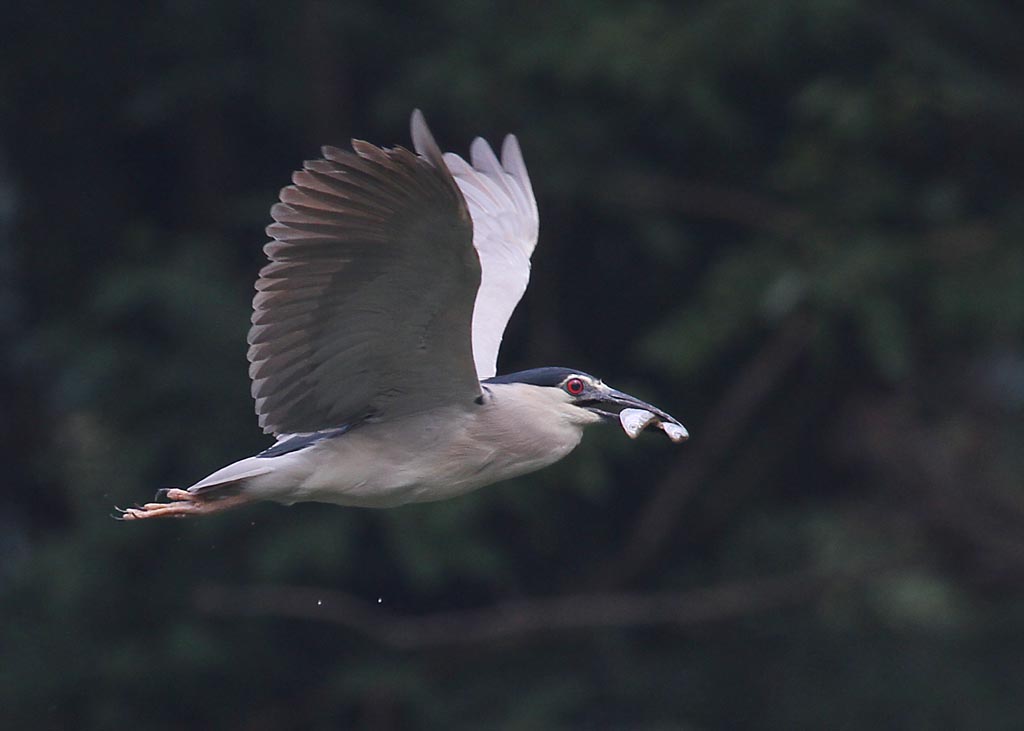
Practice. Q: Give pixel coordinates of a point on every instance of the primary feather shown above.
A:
(366, 307)
(505, 227)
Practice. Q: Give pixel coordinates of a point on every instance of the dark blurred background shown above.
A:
(796, 225)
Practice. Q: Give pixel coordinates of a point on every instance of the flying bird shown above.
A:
(375, 333)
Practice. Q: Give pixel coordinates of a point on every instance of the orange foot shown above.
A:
(180, 504)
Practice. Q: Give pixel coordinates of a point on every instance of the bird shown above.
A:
(375, 332)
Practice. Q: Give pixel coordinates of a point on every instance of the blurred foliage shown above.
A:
(797, 225)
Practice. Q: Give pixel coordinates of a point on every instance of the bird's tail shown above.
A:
(229, 479)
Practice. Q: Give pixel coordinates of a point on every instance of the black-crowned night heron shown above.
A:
(375, 335)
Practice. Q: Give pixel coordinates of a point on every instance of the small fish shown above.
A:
(634, 421)
(676, 432)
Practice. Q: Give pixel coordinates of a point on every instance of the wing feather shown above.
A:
(366, 306)
(505, 228)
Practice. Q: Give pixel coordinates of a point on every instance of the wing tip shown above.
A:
(423, 140)
(481, 154)
(511, 153)
(512, 160)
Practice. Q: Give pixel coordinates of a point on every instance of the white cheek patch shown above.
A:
(634, 421)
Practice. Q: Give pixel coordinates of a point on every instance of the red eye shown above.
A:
(574, 386)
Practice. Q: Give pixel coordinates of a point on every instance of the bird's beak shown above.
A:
(610, 402)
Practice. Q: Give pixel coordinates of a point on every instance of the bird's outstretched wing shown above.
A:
(505, 226)
(366, 306)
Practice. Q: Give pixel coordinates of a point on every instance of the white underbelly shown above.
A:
(434, 477)
(374, 466)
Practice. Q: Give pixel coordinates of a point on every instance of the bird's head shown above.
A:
(587, 398)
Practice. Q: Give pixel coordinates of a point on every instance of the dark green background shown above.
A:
(797, 225)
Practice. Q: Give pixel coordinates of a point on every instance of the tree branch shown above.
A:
(512, 619)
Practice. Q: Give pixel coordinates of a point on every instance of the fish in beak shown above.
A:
(635, 415)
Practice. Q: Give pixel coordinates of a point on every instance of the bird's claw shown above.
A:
(179, 504)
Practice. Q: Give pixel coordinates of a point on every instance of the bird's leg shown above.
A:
(181, 504)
